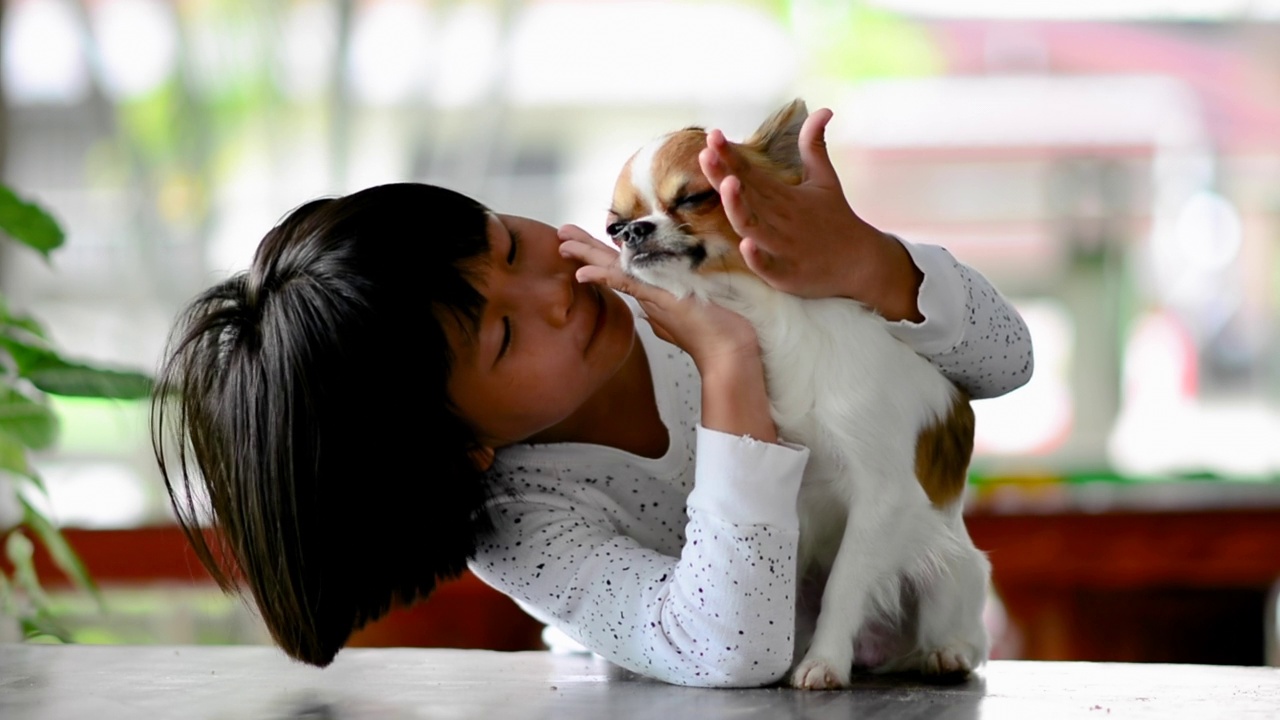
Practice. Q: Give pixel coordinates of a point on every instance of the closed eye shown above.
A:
(506, 338)
(689, 202)
(515, 243)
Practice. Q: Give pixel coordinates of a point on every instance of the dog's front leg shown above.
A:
(847, 602)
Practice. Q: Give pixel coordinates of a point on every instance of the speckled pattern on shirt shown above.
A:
(600, 543)
(994, 354)
(606, 546)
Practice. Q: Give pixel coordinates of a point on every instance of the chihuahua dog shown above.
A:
(882, 539)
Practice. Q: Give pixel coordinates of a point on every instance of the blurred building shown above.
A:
(1117, 174)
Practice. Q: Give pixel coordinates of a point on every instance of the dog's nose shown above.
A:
(634, 233)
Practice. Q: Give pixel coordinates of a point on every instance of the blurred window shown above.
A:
(1116, 177)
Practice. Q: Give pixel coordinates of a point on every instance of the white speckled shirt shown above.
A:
(682, 568)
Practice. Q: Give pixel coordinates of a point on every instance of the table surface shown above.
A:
(150, 683)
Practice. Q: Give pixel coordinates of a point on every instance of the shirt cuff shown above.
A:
(942, 301)
(747, 481)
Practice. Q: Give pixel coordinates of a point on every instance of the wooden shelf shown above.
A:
(1172, 586)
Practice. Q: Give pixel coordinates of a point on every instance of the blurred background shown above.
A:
(1113, 166)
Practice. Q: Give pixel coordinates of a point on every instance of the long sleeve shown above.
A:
(713, 605)
(970, 332)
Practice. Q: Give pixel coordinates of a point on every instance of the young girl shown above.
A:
(404, 382)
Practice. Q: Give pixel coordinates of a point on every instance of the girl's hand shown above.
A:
(805, 239)
(721, 342)
(710, 334)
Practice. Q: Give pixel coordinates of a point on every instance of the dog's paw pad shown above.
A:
(818, 675)
(948, 661)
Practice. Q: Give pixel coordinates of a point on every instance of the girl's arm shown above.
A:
(721, 613)
(969, 331)
(722, 343)
(806, 240)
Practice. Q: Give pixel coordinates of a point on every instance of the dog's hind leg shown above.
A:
(952, 638)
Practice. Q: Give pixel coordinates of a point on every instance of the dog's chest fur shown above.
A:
(842, 386)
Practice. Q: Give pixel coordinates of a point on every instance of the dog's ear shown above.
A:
(779, 137)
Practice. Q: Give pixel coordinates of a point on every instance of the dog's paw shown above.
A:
(818, 674)
(949, 661)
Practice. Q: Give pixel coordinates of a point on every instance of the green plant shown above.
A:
(31, 369)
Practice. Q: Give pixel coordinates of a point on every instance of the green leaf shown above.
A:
(27, 351)
(79, 380)
(33, 478)
(40, 364)
(22, 328)
(29, 324)
(41, 623)
(21, 553)
(7, 605)
(64, 556)
(30, 422)
(22, 322)
(28, 223)
(41, 627)
(13, 457)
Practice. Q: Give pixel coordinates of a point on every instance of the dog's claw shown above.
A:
(817, 675)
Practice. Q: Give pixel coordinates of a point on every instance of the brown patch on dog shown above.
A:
(943, 450)
(675, 166)
(627, 203)
(757, 156)
(726, 260)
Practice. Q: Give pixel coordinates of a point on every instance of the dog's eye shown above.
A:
(615, 228)
(692, 201)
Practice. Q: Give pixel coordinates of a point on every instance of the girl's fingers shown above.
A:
(759, 237)
(588, 253)
(760, 261)
(613, 278)
(737, 209)
(730, 189)
(573, 232)
(601, 267)
(578, 244)
(599, 275)
(709, 161)
(725, 160)
(724, 150)
(599, 262)
(813, 150)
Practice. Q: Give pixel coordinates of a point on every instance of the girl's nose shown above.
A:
(548, 291)
(560, 295)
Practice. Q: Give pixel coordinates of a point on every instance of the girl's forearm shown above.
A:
(734, 399)
(888, 281)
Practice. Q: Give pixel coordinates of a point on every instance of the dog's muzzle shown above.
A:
(634, 233)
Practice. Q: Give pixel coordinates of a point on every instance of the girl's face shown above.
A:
(545, 344)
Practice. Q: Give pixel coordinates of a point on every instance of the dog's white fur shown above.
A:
(904, 584)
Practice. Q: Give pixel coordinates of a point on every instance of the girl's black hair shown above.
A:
(302, 408)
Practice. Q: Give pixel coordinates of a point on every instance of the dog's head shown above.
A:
(667, 218)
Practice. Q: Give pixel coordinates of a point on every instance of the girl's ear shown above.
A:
(482, 457)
